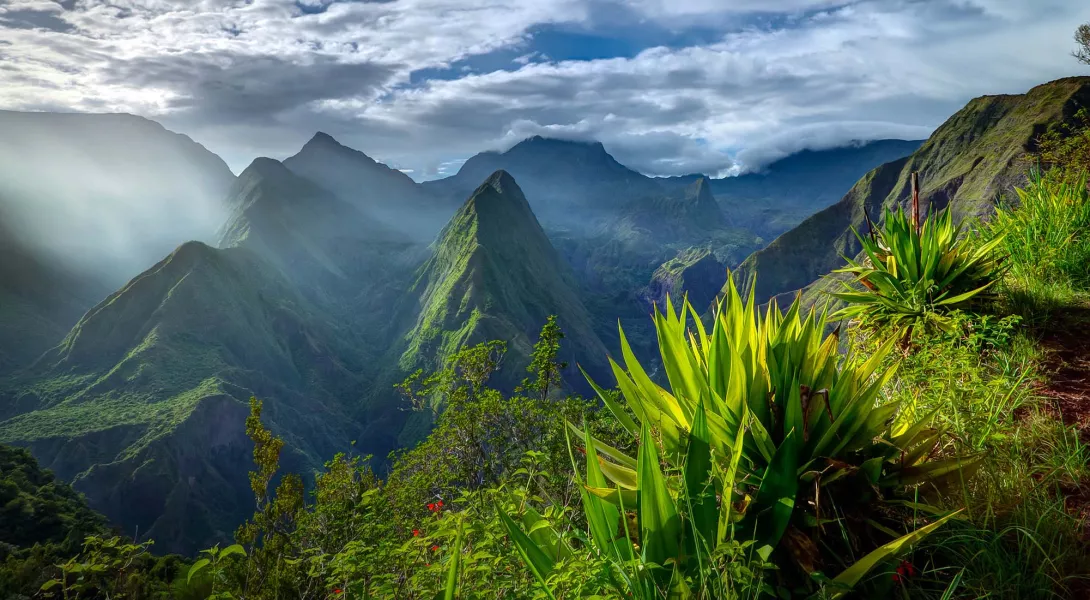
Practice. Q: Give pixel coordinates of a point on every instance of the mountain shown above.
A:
(39, 300)
(974, 158)
(495, 275)
(689, 211)
(309, 306)
(382, 193)
(142, 405)
(107, 194)
(567, 182)
(306, 230)
(37, 508)
(781, 195)
(694, 272)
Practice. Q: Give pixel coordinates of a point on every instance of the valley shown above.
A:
(330, 278)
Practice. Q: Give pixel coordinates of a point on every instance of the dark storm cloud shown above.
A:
(223, 87)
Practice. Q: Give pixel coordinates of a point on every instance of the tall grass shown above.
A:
(1046, 235)
(1016, 540)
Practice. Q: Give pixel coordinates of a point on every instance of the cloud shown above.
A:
(426, 83)
(223, 87)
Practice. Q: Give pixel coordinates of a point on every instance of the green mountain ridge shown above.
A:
(146, 396)
(495, 275)
(973, 158)
(382, 193)
(315, 304)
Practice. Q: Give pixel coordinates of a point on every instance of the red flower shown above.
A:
(440, 504)
(431, 507)
(904, 571)
(337, 591)
(435, 548)
(416, 533)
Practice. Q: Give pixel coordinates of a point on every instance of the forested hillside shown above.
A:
(509, 382)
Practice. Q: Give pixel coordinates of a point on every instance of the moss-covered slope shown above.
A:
(142, 405)
(494, 275)
(968, 163)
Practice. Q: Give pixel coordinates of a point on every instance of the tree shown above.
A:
(1082, 38)
(543, 363)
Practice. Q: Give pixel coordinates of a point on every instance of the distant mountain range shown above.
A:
(968, 164)
(318, 282)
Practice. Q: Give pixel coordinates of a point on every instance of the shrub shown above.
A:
(764, 440)
(915, 275)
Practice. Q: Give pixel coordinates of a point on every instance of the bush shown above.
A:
(915, 275)
(764, 440)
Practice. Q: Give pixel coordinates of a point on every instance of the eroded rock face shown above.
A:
(695, 272)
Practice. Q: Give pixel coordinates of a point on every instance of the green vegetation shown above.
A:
(761, 462)
(972, 160)
(493, 275)
(767, 453)
(763, 414)
(916, 272)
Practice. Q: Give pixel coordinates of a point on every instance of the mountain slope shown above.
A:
(39, 301)
(494, 275)
(567, 182)
(693, 272)
(36, 508)
(382, 193)
(973, 158)
(142, 405)
(107, 194)
(781, 195)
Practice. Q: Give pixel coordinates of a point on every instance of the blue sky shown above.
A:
(670, 86)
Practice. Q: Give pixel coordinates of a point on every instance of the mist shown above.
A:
(106, 195)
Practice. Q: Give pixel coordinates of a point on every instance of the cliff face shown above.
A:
(968, 164)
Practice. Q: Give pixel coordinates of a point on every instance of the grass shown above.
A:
(975, 155)
(1021, 538)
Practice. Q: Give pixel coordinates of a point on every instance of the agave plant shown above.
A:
(913, 275)
(765, 437)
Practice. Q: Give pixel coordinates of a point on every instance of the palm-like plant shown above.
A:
(914, 274)
(765, 437)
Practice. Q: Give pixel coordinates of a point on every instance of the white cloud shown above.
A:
(259, 77)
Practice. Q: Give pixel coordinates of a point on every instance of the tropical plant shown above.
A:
(914, 274)
(1046, 233)
(765, 439)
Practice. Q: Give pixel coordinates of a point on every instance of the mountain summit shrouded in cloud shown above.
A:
(669, 87)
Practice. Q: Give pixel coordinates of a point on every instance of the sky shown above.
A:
(669, 86)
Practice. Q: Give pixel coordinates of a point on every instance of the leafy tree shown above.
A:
(544, 366)
(267, 535)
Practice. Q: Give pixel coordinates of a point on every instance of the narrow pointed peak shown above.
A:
(502, 182)
(322, 138)
(700, 190)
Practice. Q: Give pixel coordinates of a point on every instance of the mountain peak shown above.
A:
(542, 142)
(699, 189)
(264, 167)
(322, 139)
(499, 201)
(502, 182)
